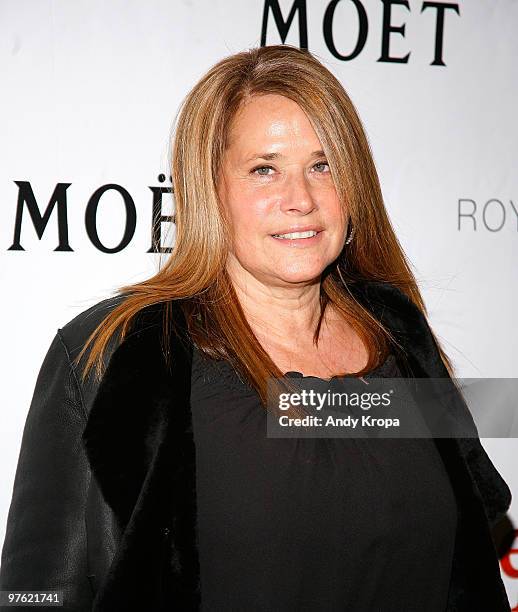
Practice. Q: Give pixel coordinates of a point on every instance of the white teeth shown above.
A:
(294, 235)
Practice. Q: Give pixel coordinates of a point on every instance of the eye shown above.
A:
(261, 168)
(320, 163)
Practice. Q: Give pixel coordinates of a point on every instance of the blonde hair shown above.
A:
(195, 273)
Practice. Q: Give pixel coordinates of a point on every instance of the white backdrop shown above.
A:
(89, 92)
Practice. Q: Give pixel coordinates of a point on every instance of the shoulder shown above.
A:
(386, 300)
(75, 332)
(141, 339)
(145, 328)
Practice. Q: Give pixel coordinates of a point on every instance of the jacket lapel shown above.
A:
(139, 443)
(482, 495)
(398, 313)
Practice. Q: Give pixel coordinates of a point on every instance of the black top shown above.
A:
(314, 524)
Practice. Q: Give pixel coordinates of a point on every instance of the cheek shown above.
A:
(337, 218)
(335, 208)
(249, 216)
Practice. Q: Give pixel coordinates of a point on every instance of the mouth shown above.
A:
(297, 235)
(307, 238)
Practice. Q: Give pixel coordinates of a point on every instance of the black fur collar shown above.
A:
(140, 447)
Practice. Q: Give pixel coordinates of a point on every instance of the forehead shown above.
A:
(270, 120)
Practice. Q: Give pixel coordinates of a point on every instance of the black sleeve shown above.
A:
(45, 542)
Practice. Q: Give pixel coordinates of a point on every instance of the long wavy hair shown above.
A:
(195, 274)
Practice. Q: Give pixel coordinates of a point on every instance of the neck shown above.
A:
(280, 312)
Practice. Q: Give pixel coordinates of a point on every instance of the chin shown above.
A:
(299, 275)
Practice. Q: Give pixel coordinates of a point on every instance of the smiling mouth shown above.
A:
(296, 235)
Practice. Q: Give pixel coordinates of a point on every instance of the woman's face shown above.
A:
(275, 180)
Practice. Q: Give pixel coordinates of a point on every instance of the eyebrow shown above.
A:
(270, 156)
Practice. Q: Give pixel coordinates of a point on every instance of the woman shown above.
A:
(148, 482)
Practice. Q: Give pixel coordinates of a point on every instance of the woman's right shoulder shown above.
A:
(70, 339)
(75, 332)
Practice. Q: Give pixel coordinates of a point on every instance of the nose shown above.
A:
(297, 196)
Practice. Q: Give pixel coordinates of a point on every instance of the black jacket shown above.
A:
(104, 499)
